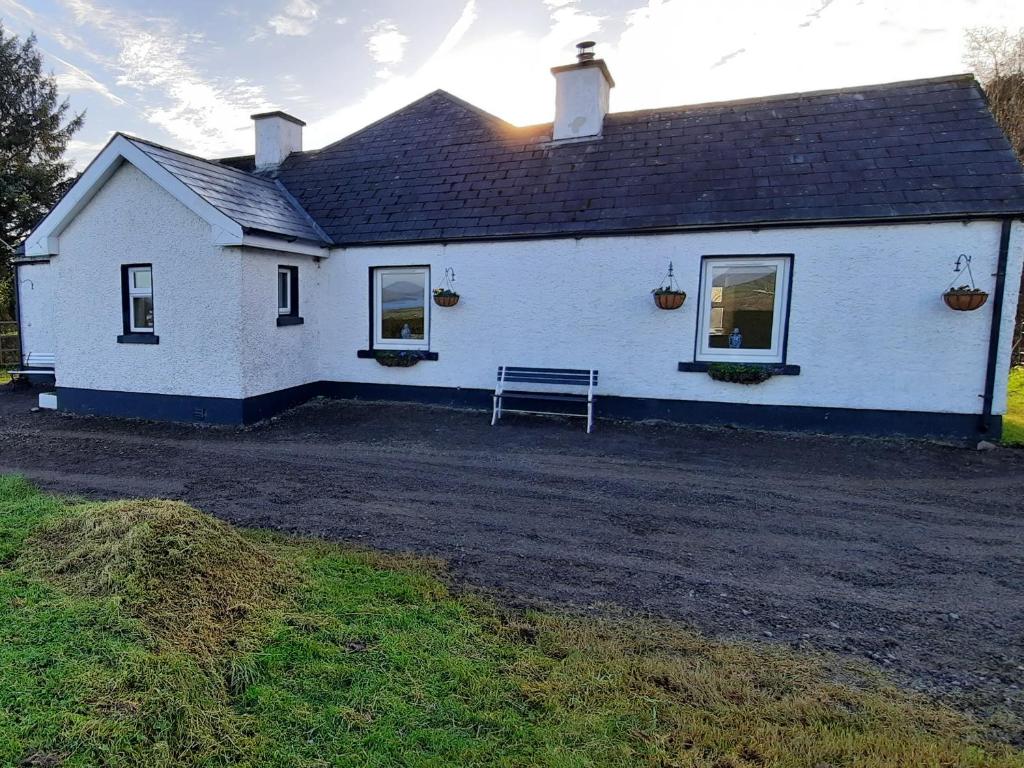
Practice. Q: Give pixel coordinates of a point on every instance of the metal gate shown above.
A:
(10, 348)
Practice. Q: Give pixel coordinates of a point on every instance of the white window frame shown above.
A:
(379, 342)
(134, 293)
(287, 308)
(776, 354)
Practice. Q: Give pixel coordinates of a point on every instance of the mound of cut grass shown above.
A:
(368, 660)
(193, 581)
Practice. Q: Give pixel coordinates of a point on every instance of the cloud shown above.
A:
(81, 153)
(17, 8)
(386, 46)
(297, 19)
(728, 57)
(515, 85)
(76, 79)
(458, 29)
(208, 116)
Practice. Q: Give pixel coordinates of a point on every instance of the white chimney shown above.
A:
(581, 96)
(277, 135)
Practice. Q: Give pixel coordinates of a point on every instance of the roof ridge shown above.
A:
(234, 179)
(471, 107)
(293, 201)
(214, 163)
(436, 92)
(963, 77)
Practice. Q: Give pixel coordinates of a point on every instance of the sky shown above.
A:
(189, 73)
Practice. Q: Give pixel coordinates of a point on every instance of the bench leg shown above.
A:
(494, 412)
(590, 417)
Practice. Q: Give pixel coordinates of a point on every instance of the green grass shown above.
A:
(1013, 422)
(319, 655)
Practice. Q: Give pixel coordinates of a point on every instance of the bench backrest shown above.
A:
(40, 360)
(558, 377)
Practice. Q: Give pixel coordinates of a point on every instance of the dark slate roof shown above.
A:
(440, 169)
(256, 203)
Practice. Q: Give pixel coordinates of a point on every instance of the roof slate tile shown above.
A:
(442, 169)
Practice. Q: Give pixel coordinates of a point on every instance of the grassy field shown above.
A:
(145, 633)
(1013, 423)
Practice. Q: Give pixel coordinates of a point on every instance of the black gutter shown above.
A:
(985, 423)
(750, 226)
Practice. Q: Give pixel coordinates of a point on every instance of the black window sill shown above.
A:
(369, 354)
(289, 320)
(138, 338)
(776, 369)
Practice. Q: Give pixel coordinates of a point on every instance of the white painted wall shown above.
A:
(276, 138)
(36, 308)
(581, 102)
(197, 296)
(868, 325)
(277, 357)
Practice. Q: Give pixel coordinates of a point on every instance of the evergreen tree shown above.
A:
(35, 128)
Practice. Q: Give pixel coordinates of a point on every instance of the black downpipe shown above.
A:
(17, 315)
(997, 321)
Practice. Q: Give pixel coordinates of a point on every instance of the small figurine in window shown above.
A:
(406, 332)
(735, 339)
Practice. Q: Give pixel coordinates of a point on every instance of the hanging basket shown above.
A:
(668, 294)
(445, 294)
(967, 297)
(445, 298)
(669, 299)
(965, 300)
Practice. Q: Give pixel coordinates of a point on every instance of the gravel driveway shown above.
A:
(907, 554)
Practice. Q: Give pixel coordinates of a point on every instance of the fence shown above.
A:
(10, 348)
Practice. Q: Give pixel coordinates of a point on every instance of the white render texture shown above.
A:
(196, 295)
(867, 323)
(35, 307)
(581, 102)
(276, 138)
(278, 357)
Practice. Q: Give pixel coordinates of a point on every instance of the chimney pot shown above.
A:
(278, 134)
(585, 54)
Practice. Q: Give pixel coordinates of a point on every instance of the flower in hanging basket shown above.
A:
(965, 298)
(668, 298)
(739, 373)
(445, 297)
(403, 358)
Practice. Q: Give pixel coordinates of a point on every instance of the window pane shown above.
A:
(742, 306)
(402, 309)
(142, 279)
(283, 291)
(142, 311)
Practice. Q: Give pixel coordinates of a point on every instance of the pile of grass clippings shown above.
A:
(145, 633)
(194, 582)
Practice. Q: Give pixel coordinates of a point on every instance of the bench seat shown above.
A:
(583, 380)
(36, 364)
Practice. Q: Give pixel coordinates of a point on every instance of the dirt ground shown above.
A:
(906, 554)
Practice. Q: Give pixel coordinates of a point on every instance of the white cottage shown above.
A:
(814, 235)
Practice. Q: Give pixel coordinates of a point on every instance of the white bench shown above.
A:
(36, 363)
(581, 379)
